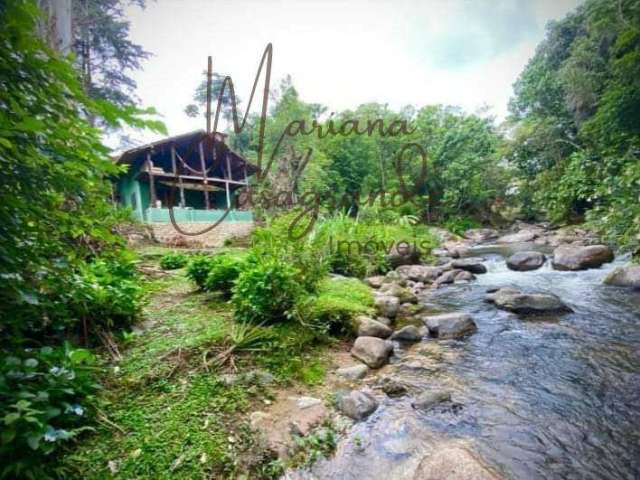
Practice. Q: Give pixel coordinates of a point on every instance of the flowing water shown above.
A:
(548, 398)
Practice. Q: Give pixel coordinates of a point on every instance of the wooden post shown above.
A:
(175, 173)
(152, 185)
(226, 184)
(204, 176)
(209, 74)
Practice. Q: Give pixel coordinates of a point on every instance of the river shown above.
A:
(535, 398)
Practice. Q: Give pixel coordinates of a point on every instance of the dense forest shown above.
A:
(568, 153)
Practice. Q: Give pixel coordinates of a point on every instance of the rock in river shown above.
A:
(452, 461)
(521, 237)
(356, 404)
(523, 261)
(572, 257)
(430, 398)
(410, 333)
(518, 302)
(627, 276)
(471, 264)
(450, 325)
(372, 350)
(480, 234)
(353, 373)
(368, 327)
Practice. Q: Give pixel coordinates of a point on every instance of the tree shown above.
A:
(105, 55)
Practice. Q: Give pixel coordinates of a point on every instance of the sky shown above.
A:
(341, 53)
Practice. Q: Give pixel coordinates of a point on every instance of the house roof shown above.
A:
(160, 153)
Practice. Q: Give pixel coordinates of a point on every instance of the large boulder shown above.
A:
(523, 261)
(372, 350)
(356, 404)
(387, 305)
(450, 325)
(447, 277)
(573, 257)
(464, 276)
(471, 264)
(368, 327)
(627, 276)
(521, 237)
(419, 273)
(457, 249)
(376, 281)
(480, 234)
(452, 461)
(518, 302)
(403, 253)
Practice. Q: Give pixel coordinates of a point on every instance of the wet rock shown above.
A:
(480, 234)
(472, 264)
(571, 257)
(464, 277)
(420, 273)
(447, 277)
(372, 350)
(450, 325)
(520, 237)
(403, 294)
(408, 310)
(356, 404)
(353, 373)
(394, 277)
(410, 333)
(453, 462)
(387, 305)
(375, 282)
(403, 253)
(523, 261)
(430, 398)
(368, 327)
(518, 302)
(627, 276)
(392, 387)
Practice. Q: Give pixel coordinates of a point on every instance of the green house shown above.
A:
(196, 174)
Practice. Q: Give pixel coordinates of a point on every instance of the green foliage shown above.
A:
(107, 293)
(265, 292)
(332, 310)
(173, 261)
(459, 225)
(223, 272)
(46, 397)
(576, 120)
(198, 269)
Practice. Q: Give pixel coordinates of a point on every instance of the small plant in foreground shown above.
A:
(173, 261)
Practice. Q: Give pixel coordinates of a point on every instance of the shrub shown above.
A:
(107, 293)
(198, 269)
(173, 261)
(265, 292)
(335, 306)
(223, 272)
(459, 225)
(46, 397)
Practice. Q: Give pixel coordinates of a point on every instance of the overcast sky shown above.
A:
(342, 53)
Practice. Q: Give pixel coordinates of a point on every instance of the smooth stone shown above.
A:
(447, 277)
(450, 325)
(480, 234)
(356, 372)
(453, 462)
(464, 276)
(428, 399)
(392, 387)
(368, 327)
(572, 257)
(410, 333)
(473, 265)
(372, 350)
(518, 302)
(356, 404)
(627, 276)
(376, 281)
(307, 402)
(524, 261)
